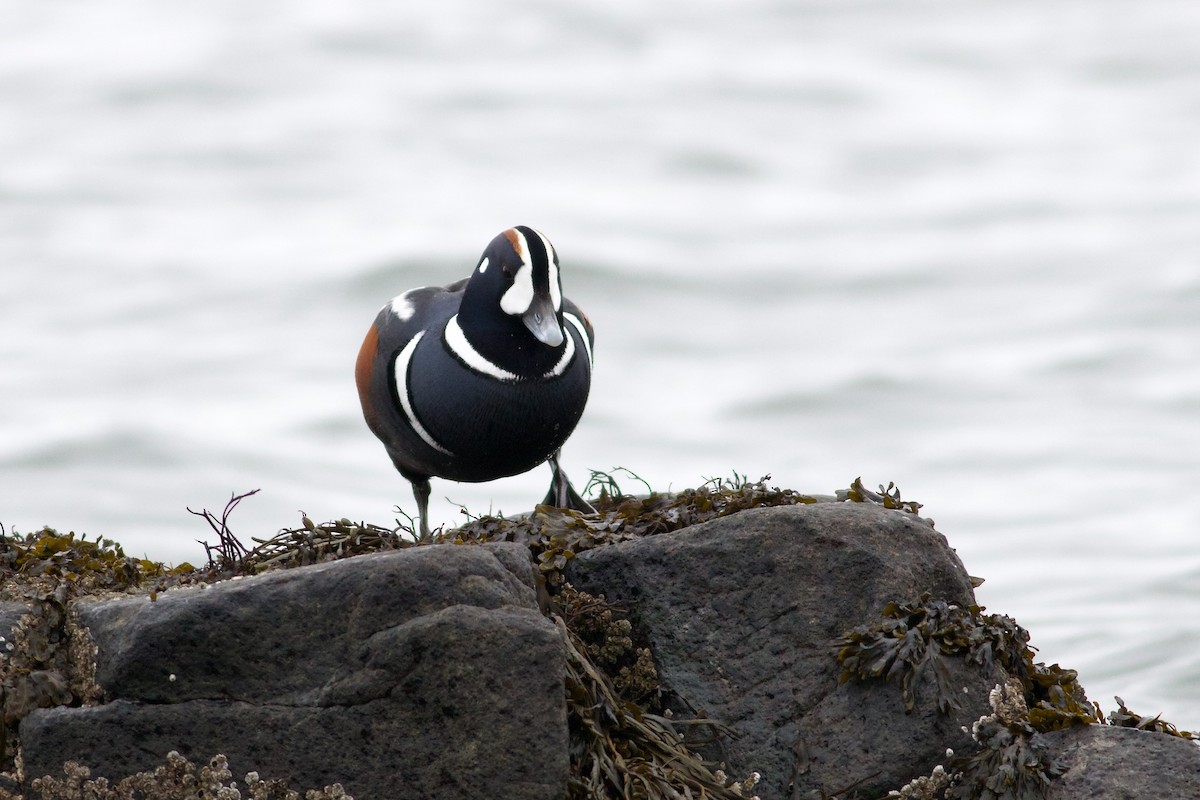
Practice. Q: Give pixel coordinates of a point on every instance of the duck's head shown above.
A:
(518, 276)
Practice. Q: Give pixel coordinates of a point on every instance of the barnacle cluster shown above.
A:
(1013, 762)
(177, 779)
(923, 787)
(605, 634)
(47, 662)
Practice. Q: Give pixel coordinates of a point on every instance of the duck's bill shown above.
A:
(542, 321)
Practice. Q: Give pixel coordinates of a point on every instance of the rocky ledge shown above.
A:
(806, 650)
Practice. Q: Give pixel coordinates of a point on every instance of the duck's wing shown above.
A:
(398, 324)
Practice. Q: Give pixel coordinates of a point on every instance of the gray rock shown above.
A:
(1107, 763)
(280, 637)
(742, 614)
(424, 672)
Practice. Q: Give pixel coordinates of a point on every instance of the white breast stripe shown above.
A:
(402, 307)
(564, 362)
(579, 326)
(552, 267)
(456, 340)
(401, 370)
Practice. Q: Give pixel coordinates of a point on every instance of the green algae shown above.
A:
(1124, 718)
(89, 566)
(916, 640)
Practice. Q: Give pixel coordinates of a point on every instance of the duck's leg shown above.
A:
(562, 494)
(421, 492)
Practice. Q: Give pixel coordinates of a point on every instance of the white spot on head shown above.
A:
(483, 265)
(402, 307)
(457, 341)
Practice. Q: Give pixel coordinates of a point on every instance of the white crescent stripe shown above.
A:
(561, 366)
(456, 340)
(579, 326)
(401, 371)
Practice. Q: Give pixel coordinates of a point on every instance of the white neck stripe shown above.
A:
(579, 326)
(564, 362)
(456, 340)
(401, 370)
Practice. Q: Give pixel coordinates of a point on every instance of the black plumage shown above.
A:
(481, 379)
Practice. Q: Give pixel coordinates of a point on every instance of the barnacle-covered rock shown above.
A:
(176, 779)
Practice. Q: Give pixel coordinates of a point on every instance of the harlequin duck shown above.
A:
(481, 379)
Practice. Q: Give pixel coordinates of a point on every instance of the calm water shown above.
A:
(951, 244)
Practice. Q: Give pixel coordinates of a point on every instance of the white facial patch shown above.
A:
(519, 297)
(458, 344)
(402, 307)
(483, 265)
(401, 372)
